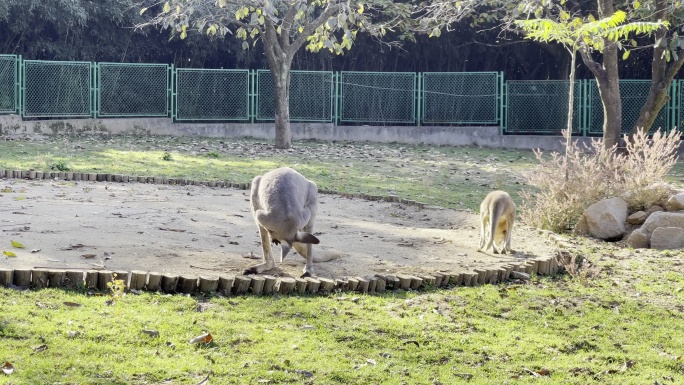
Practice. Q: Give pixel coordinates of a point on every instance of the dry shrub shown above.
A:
(566, 184)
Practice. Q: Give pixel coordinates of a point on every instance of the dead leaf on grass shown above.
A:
(204, 381)
(467, 376)
(629, 364)
(151, 333)
(670, 356)
(72, 304)
(204, 338)
(40, 348)
(7, 368)
(304, 373)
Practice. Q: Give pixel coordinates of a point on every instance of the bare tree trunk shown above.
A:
(662, 74)
(609, 88)
(608, 81)
(283, 131)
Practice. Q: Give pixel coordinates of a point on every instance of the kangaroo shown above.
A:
(497, 214)
(284, 207)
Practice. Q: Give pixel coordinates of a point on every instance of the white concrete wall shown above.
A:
(437, 135)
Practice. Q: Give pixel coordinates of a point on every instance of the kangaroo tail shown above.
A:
(326, 255)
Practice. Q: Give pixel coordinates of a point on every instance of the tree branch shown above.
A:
(287, 23)
(329, 11)
(593, 66)
(270, 37)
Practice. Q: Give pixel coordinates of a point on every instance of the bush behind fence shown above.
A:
(60, 89)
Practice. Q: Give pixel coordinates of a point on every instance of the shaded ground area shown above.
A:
(210, 231)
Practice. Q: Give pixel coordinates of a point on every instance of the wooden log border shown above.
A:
(268, 285)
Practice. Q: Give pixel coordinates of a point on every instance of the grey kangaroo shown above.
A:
(497, 214)
(284, 207)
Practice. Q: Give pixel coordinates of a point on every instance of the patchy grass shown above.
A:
(615, 321)
(580, 331)
(455, 177)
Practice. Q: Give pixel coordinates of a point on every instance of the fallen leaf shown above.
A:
(9, 254)
(151, 333)
(170, 229)
(204, 381)
(40, 348)
(304, 373)
(35, 250)
(88, 256)
(75, 246)
(251, 256)
(204, 338)
(17, 244)
(544, 372)
(467, 376)
(7, 368)
(412, 342)
(72, 304)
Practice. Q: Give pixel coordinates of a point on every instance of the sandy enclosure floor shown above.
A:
(210, 231)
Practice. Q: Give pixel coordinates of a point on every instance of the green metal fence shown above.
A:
(541, 106)
(633, 94)
(211, 94)
(57, 89)
(128, 90)
(311, 96)
(377, 97)
(9, 84)
(460, 97)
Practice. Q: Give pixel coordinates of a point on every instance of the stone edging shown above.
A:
(240, 284)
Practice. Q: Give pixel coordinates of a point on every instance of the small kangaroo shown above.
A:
(284, 207)
(497, 214)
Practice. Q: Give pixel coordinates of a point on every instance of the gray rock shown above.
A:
(666, 238)
(638, 239)
(675, 203)
(606, 219)
(637, 218)
(581, 227)
(654, 209)
(662, 219)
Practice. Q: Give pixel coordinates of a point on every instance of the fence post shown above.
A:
(336, 101)
(419, 92)
(673, 110)
(252, 95)
(170, 81)
(502, 98)
(93, 89)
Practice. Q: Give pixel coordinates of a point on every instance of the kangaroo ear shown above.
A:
(303, 237)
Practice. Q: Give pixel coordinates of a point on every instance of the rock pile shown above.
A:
(658, 227)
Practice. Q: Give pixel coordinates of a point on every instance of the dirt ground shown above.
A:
(210, 231)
